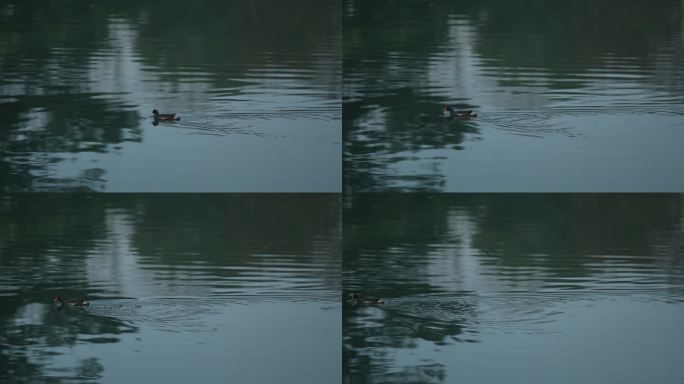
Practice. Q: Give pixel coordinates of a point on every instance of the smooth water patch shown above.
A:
(144, 166)
(569, 152)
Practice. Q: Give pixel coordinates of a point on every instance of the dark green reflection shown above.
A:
(457, 269)
(171, 36)
(151, 264)
(75, 123)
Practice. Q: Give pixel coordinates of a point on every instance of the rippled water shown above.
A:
(182, 288)
(583, 96)
(257, 87)
(514, 288)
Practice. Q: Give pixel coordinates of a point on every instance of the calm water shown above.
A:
(183, 289)
(514, 288)
(578, 96)
(257, 86)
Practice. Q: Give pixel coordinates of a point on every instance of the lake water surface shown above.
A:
(579, 96)
(183, 288)
(514, 288)
(257, 87)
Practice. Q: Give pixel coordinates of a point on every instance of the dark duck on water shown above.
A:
(368, 301)
(164, 116)
(60, 303)
(450, 113)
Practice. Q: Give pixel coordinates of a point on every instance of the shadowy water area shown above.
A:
(256, 84)
(182, 288)
(514, 288)
(576, 96)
